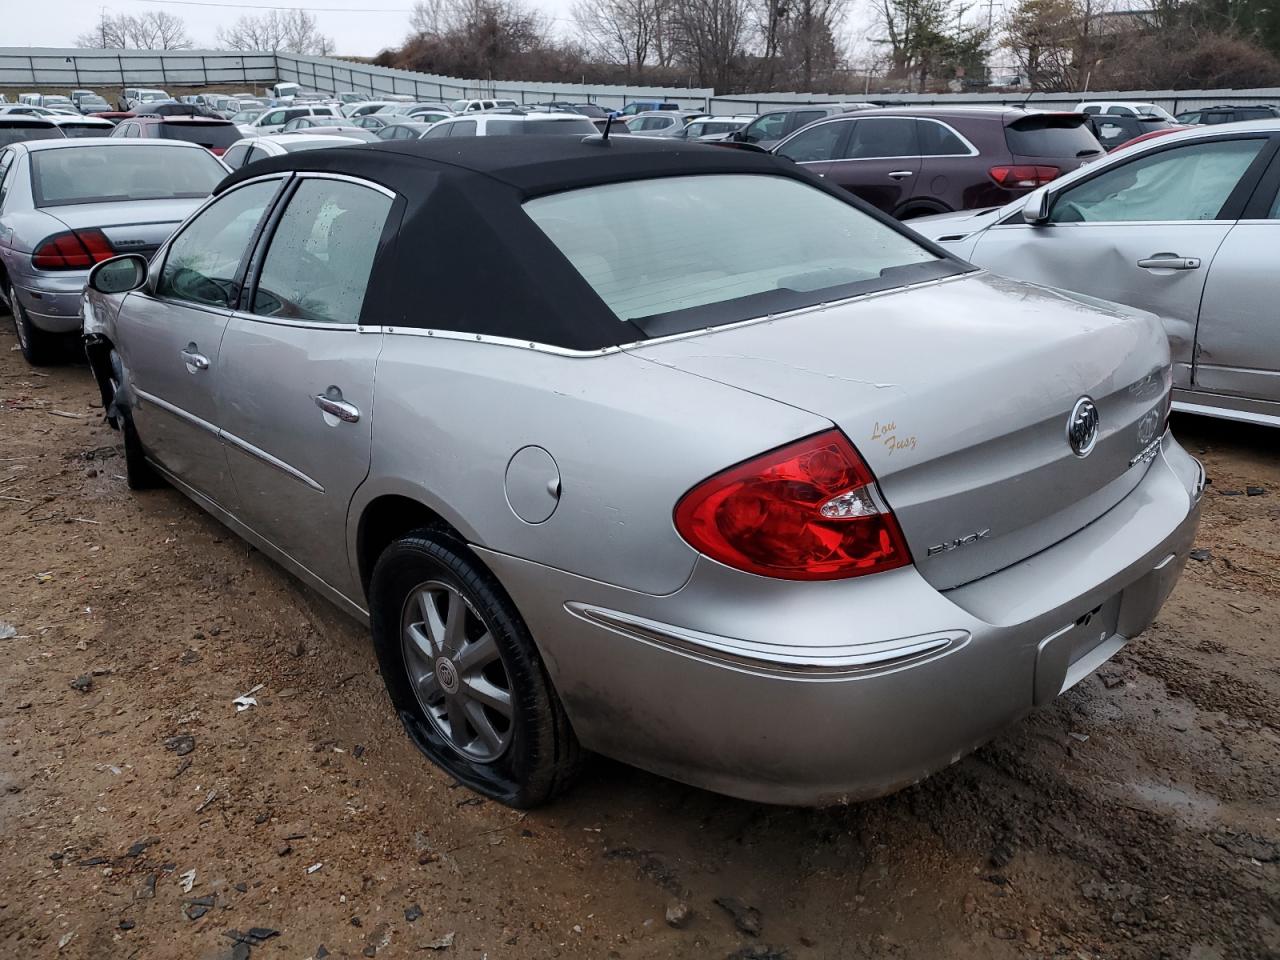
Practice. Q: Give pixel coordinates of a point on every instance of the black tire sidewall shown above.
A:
(34, 343)
(524, 775)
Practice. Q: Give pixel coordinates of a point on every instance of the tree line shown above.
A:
(288, 31)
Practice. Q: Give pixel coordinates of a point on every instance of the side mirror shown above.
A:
(119, 274)
(1036, 211)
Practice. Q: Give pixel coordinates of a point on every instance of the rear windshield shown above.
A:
(569, 125)
(10, 135)
(293, 146)
(86, 129)
(205, 134)
(1051, 135)
(700, 251)
(102, 174)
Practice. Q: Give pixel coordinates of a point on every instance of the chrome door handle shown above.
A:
(347, 412)
(194, 359)
(899, 174)
(1167, 261)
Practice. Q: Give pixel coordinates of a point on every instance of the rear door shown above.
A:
(880, 161)
(296, 401)
(170, 336)
(1144, 232)
(1238, 337)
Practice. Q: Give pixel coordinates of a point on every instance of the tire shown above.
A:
(39, 347)
(139, 474)
(528, 754)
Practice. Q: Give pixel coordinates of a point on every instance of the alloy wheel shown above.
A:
(456, 671)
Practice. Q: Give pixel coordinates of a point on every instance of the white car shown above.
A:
(361, 107)
(81, 126)
(273, 119)
(1124, 108)
(133, 96)
(278, 144)
(475, 106)
(505, 124)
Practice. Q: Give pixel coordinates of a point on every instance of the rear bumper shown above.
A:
(820, 693)
(53, 305)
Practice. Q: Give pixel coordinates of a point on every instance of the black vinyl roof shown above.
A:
(465, 257)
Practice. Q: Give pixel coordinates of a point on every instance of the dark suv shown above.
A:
(917, 161)
(1229, 114)
(214, 135)
(770, 128)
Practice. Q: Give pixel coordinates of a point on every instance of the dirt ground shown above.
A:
(1137, 817)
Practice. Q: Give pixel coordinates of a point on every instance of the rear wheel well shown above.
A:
(385, 520)
(921, 208)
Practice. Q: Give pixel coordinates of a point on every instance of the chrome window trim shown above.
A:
(538, 347)
(300, 324)
(852, 117)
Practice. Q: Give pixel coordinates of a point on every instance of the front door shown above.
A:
(170, 339)
(297, 396)
(880, 162)
(1143, 233)
(816, 146)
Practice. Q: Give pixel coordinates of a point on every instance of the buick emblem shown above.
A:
(1082, 427)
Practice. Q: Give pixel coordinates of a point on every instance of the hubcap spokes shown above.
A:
(456, 671)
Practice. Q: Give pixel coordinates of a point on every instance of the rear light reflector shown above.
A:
(72, 250)
(1023, 175)
(806, 511)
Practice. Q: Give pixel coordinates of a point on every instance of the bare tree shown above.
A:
(620, 31)
(293, 31)
(156, 30)
(710, 37)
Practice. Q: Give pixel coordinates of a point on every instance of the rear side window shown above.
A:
(1255, 113)
(719, 248)
(204, 260)
(205, 134)
(939, 140)
(807, 116)
(882, 137)
(318, 263)
(1062, 136)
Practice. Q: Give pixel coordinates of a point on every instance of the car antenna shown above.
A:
(603, 138)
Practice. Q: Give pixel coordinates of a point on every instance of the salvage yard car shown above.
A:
(68, 204)
(755, 489)
(1185, 225)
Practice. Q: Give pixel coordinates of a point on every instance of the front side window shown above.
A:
(438, 131)
(204, 259)
(875, 138)
(235, 157)
(814, 144)
(720, 248)
(1189, 182)
(103, 174)
(768, 127)
(318, 262)
(463, 128)
(273, 119)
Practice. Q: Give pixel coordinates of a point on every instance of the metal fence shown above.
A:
(73, 67)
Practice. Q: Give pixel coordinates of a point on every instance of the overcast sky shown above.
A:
(360, 27)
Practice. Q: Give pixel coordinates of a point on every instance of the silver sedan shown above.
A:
(67, 204)
(1185, 225)
(749, 487)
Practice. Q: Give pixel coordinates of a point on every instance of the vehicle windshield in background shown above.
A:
(100, 174)
(17, 134)
(1051, 135)
(208, 135)
(85, 130)
(729, 246)
(247, 116)
(569, 125)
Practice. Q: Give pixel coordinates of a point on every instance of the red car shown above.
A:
(916, 161)
(214, 135)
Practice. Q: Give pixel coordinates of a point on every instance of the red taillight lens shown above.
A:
(73, 250)
(217, 151)
(1023, 175)
(806, 511)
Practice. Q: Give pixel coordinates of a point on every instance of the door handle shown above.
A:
(1169, 261)
(346, 412)
(899, 174)
(194, 359)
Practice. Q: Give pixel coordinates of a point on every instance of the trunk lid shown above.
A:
(139, 226)
(958, 394)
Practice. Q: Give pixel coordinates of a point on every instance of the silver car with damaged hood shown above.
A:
(750, 488)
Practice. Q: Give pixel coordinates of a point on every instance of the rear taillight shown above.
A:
(806, 511)
(217, 151)
(73, 250)
(1023, 175)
